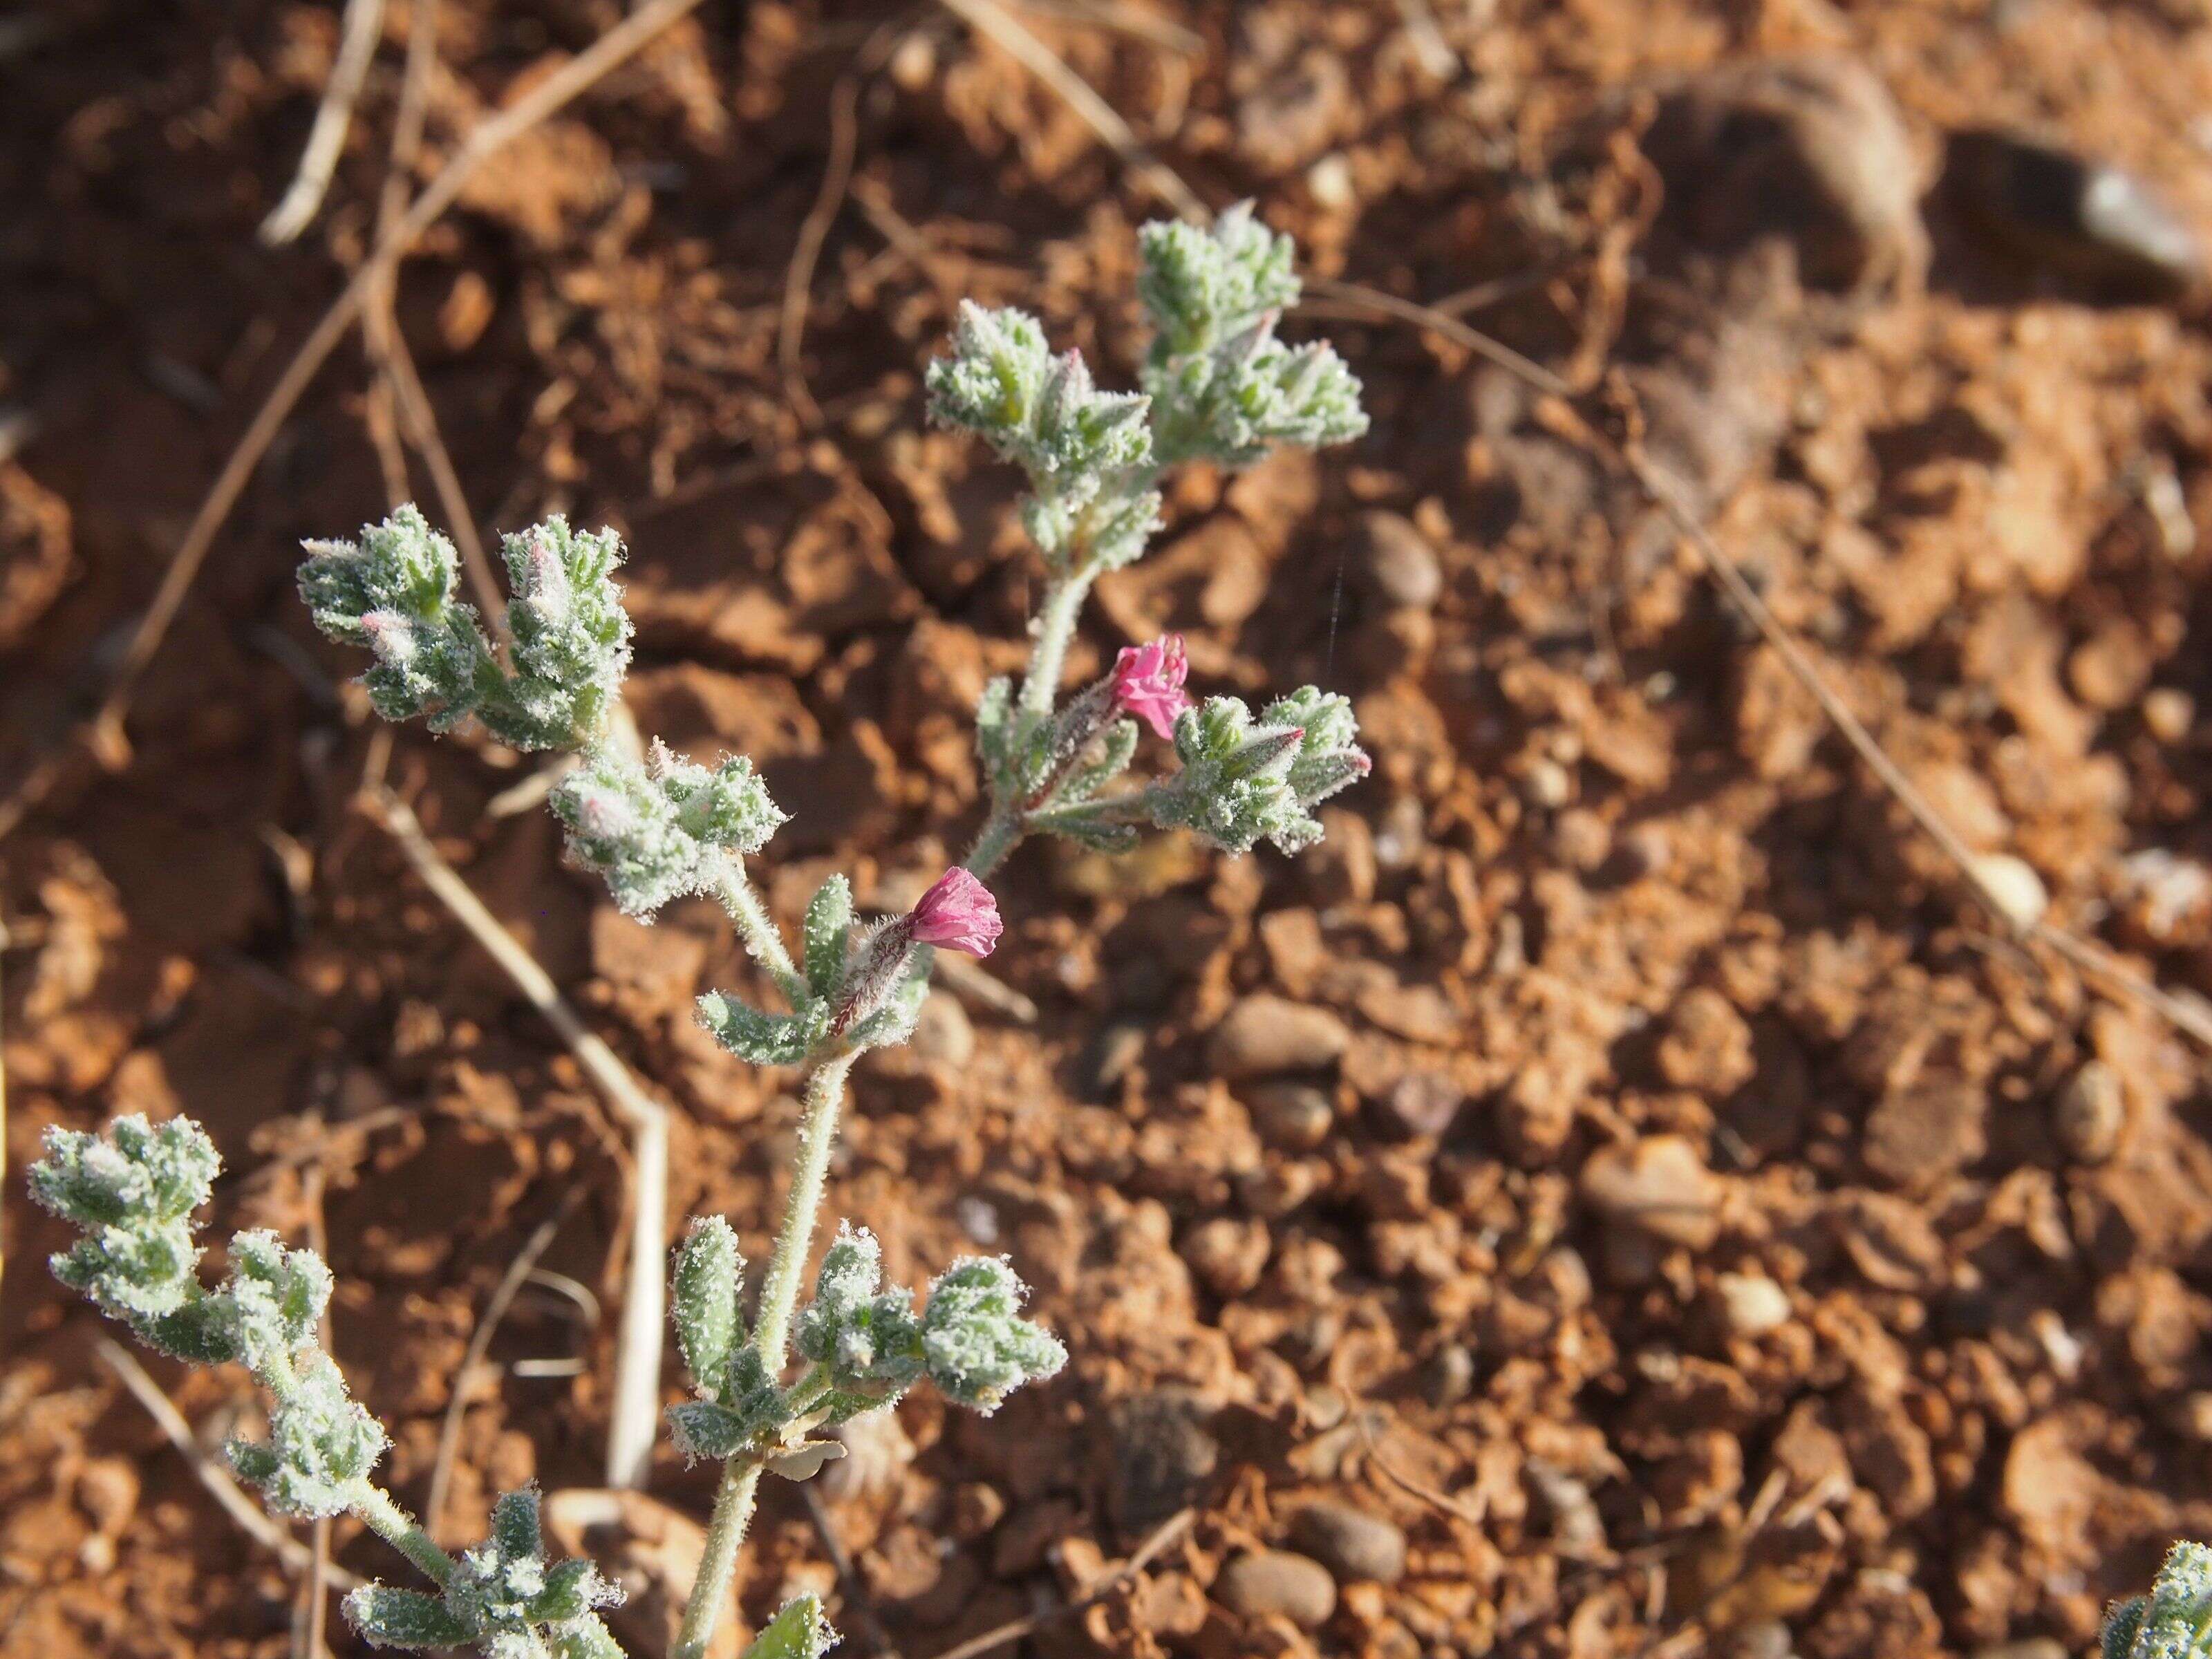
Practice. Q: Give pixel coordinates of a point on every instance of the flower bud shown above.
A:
(958, 914)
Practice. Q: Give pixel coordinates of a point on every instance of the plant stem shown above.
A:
(725, 1530)
(1002, 833)
(401, 1530)
(762, 940)
(1055, 627)
(818, 1133)
(733, 1499)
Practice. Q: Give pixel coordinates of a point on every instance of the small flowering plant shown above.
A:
(1218, 386)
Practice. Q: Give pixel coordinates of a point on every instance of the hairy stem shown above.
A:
(817, 1133)
(401, 1530)
(1000, 834)
(733, 1499)
(1055, 627)
(763, 941)
(725, 1530)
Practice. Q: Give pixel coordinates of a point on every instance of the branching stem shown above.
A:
(763, 940)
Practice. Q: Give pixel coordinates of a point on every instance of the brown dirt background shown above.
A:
(1649, 1008)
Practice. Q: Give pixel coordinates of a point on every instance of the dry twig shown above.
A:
(1155, 1544)
(972, 983)
(101, 735)
(398, 379)
(1443, 1502)
(989, 17)
(799, 276)
(364, 25)
(389, 347)
(1132, 21)
(814, 229)
(634, 1409)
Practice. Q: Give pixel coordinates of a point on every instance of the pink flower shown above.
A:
(1148, 682)
(959, 913)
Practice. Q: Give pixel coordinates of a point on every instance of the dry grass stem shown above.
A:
(989, 18)
(359, 32)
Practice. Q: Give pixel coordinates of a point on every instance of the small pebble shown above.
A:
(1325, 1407)
(1228, 1254)
(1584, 840)
(1353, 1545)
(1341, 865)
(1577, 1529)
(2090, 1112)
(1329, 181)
(2168, 714)
(978, 1218)
(1806, 145)
(2034, 1647)
(913, 64)
(1117, 1050)
(1645, 850)
(1270, 1582)
(1423, 1102)
(1265, 1033)
(976, 1508)
(2013, 887)
(877, 1452)
(2167, 503)
(1547, 784)
(107, 1492)
(1448, 1376)
(2109, 670)
(1930, 1128)
(1292, 1117)
(1397, 563)
(1402, 834)
(2169, 895)
(2193, 1417)
(1765, 1638)
(1657, 1186)
(1754, 1304)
